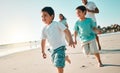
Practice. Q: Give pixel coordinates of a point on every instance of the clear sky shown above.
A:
(20, 20)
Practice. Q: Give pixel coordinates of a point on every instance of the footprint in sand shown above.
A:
(14, 68)
(93, 57)
(83, 66)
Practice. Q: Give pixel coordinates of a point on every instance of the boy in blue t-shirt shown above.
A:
(85, 28)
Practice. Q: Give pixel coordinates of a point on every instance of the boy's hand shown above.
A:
(99, 32)
(71, 43)
(75, 42)
(44, 55)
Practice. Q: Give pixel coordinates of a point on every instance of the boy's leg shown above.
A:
(58, 58)
(67, 59)
(94, 50)
(97, 39)
(97, 55)
(60, 70)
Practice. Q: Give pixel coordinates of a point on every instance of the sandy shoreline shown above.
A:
(31, 61)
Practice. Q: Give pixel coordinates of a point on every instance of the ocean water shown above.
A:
(8, 49)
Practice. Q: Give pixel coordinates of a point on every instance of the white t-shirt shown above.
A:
(91, 6)
(54, 33)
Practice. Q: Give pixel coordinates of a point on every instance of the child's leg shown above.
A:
(97, 55)
(58, 58)
(60, 70)
(94, 50)
(97, 39)
(67, 59)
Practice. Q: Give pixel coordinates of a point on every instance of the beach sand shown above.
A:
(32, 62)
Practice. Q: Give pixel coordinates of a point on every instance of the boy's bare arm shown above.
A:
(66, 25)
(43, 42)
(97, 30)
(75, 37)
(69, 36)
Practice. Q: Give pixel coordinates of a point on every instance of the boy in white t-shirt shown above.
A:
(54, 33)
(91, 11)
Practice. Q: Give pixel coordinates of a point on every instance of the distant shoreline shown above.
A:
(7, 49)
(112, 33)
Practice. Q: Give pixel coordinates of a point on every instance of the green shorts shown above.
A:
(58, 56)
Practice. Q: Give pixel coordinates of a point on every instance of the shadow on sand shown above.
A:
(111, 65)
(113, 51)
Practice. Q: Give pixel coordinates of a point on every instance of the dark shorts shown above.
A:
(58, 56)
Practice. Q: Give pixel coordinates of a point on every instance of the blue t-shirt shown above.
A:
(64, 22)
(85, 29)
